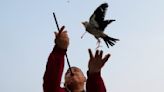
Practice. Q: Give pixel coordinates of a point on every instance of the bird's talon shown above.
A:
(98, 47)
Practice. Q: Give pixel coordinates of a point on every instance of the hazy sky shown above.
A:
(26, 39)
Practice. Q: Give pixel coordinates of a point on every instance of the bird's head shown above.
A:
(85, 24)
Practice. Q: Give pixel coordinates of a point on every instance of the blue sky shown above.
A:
(26, 37)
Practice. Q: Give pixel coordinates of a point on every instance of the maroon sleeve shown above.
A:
(54, 70)
(95, 83)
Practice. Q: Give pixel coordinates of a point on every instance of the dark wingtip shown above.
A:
(112, 20)
(104, 5)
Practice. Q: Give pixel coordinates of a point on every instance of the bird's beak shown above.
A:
(82, 23)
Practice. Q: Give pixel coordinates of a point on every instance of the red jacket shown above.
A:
(54, 70)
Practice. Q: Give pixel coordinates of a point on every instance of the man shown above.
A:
(75, 82)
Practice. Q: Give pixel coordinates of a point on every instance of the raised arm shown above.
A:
(55, 64)
(95, 82)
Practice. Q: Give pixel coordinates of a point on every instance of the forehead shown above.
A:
(74, 69)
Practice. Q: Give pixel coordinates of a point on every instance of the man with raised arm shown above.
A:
(73, 82)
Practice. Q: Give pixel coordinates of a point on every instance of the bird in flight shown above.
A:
(97, 25)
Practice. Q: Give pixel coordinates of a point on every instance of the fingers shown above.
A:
(61, 29)
(65, 33)
(106, 58)
(90, 53)
(97, 53)
(101, 53)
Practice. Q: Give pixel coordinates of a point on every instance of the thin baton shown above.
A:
(66, 53)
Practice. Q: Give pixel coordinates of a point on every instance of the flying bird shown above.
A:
(97, 25)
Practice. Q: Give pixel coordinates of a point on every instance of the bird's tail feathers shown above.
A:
(110, 41)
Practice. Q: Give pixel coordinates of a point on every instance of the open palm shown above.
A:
(97, 62)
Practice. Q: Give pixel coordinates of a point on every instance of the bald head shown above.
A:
(75, 81)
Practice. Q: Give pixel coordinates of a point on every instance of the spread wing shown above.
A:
(97, 18)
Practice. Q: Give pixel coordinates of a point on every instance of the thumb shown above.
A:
(105, 59)
(55, 33)
(61, 29)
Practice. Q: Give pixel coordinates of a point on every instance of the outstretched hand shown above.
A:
(97, 62)
(62, 40)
